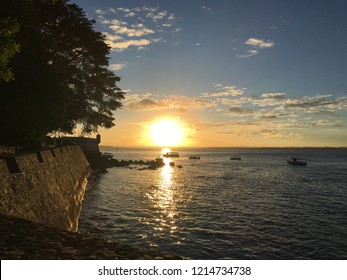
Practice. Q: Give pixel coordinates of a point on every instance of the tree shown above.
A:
(60, 75)
(8, 46)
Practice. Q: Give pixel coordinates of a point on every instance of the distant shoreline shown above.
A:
(248, 148)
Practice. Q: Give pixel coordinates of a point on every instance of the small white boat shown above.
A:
(194, 157)
(297, 161)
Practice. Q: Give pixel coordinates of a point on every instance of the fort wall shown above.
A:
(46, 187)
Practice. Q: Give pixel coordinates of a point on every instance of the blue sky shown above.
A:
(232, 73)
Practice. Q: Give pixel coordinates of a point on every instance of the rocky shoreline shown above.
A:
(24, 240)
(151, 164)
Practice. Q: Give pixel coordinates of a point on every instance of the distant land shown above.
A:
(187, 148)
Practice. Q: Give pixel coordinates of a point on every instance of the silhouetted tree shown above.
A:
(60, 73)
(8, 46)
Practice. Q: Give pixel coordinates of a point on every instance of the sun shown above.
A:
(167, 133)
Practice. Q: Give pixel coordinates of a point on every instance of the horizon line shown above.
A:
(227, 147)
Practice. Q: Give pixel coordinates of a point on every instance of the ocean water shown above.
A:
(217, 208)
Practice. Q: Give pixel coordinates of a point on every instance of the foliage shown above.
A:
(60, 74)
(8, 46)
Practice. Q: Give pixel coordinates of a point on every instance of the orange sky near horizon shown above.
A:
(203, 133)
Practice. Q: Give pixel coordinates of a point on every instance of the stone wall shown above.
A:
(45, 187)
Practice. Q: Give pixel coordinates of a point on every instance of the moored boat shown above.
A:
(194, 157)
(235, 157)
(297, 161)
(171, 154)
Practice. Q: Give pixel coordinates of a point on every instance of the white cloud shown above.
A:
(100, 12)
(150, 9)
(278, 112)
(130, 14)
(119, 44)
(110, 38)
(227, 91)
(328, 123)
(248, 53)
(157, 16)
(144, 104)
(111, 21)
(274, 95)
(134, 97)
(208, 10)
(142, 23)
(259, 43)
(241, 111)
(172, 102)
(123, 45)
(137, 31)
(116, 67)
(314, 102)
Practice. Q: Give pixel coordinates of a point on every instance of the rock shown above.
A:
(22, 239)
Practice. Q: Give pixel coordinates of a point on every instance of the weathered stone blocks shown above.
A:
(49, 188)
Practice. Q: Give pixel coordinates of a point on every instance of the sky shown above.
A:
(229, 73)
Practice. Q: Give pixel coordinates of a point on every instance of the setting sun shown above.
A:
(166, 133)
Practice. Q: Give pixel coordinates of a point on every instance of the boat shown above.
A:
(194, 157)
(235, 158)
(297, 161)
(171, 154)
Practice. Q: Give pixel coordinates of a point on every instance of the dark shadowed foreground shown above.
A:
(22, 239)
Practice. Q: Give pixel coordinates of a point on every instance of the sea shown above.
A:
(258, 207)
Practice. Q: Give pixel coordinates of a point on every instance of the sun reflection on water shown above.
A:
(163, 199)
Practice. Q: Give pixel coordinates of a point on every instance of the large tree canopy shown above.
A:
(60, 74)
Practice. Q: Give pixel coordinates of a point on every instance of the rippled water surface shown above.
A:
(216, 208)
